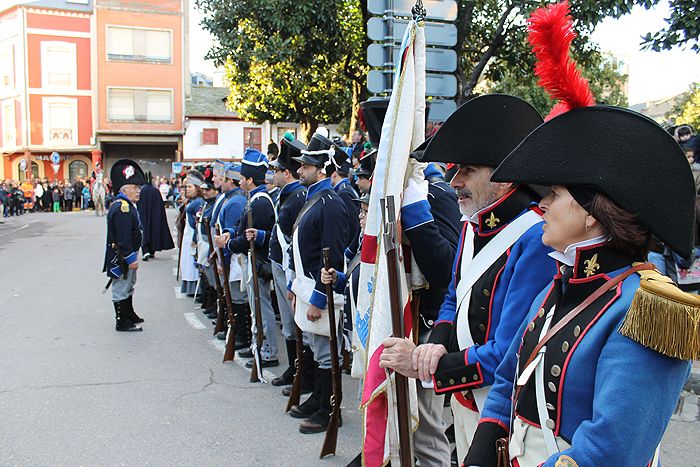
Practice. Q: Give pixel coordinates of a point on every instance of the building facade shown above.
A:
(47, 94)
(140, 48)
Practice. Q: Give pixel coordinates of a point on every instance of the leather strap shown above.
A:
(583, 305)
(308, 205)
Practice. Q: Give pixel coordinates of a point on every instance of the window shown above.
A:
(140, 105)
(138, 45)
(282, 130)
(77, 169)
(60, 121)
(58, 66)
(7, 67)
(210, 136)
(252, 138)
(9, 134)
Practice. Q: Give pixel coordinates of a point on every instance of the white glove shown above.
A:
(417, 186)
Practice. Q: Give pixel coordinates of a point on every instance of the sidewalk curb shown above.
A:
(693, 383)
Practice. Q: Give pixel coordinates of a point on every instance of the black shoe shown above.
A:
(240, 344)
(287, 390)
(285, 378)
(123, 323)
(317, 423)
(211, 315)
(147, 256)
(264, 363)
(304, 411)
(245, 353)
(221, 336)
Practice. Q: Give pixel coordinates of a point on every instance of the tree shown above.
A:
(287, 60)
(683, 28)
(686, 110)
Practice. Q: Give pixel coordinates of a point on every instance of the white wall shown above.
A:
(230, 139)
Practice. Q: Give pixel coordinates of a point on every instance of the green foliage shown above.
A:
(683, 28)
(686, 111)
(285, 60)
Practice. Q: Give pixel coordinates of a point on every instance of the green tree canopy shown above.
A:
(686, 111)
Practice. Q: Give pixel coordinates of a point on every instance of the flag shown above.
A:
(403, 130)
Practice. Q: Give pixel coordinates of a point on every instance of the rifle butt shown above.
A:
(295, 395)
(219, 326)
(331, 440)
(254, 377)
(230, 351)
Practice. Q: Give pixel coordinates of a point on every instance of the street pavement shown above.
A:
(75, 392)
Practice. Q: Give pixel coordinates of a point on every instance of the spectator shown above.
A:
(56, 197)
(357, 144)
(85, 197)
(164, 189)
(38, 193)
(78, 189)
(46, 196)
(68, 195)
(3, 201)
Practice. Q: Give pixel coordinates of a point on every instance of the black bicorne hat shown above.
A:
(482, 131)
(126, 172)
(367, 163)
(319, 151)
(619, 153)
(289, 149)
(372, 117)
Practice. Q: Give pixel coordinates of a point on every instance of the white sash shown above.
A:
(473, 267)
(302, 287)
(259, 194)
(284, 245)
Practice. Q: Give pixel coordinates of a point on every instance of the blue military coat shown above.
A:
(124, 236)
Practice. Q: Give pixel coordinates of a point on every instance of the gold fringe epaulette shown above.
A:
(664, 318)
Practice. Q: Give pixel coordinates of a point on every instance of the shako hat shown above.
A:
(254, 164)
(219, 168)
(619, 153)
(321, 152)
(126, 172)
(232, 170)
(289, 149)
(372, 115)
(367, 163)
(482, 131)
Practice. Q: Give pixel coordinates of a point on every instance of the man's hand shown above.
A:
(313, 313)
(328, 276)
(397, 355)
(250, 234)
(292, 299)
(222, 240)
(134, 266)
(426, 358)
(219, 269)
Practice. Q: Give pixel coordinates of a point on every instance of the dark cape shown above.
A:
(156, 233)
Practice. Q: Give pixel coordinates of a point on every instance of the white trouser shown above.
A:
(527, 444)
(465, 422)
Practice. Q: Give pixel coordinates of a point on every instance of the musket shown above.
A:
(231, 333)
(397, 327)
(122, 265)
(295, 394)
(256, 370)
(331, 438)
(214, 259)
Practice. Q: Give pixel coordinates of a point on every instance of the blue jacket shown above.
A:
(291, 199)
(124, 232)
(494, 308)
(193, 207)
(263, 220)
(228, 213)
(324, 225)
(611, 397)
(349, 195)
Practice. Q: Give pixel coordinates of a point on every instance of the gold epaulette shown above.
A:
(125, 206)
(664, 318)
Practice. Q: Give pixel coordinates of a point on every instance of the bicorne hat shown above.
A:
(126, 172)
(322, 152)
(367, 163)
(482, 131)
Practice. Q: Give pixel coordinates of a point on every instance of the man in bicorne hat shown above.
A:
(124, 237)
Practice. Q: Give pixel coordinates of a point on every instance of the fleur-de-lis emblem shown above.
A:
(492, 221)
(591, 265)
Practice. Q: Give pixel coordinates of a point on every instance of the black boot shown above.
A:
(318, 421)
(124, 323)
(288, 375)
(311, 404)
(243, 332)
(308, 374)
(131, 314)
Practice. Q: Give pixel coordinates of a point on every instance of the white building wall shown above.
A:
(230, 140)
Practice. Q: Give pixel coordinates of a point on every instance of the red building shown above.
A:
(47, 93)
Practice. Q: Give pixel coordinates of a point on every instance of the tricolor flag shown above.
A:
(403, 130)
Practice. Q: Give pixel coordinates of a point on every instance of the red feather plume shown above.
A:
(550, 33)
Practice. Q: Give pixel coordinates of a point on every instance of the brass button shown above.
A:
(565, 347)
(486, 293)
(475, 377)
(531, 326)
(550, 385)
(550, 406)
(482, 308)
(452, 381)
(482, 327)
(550, 423)
(577, 331)
(541, 312)
(439, 383)
(464, 379)
(556, 371)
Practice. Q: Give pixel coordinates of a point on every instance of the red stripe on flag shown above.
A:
(369, 249)
(375, 412)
